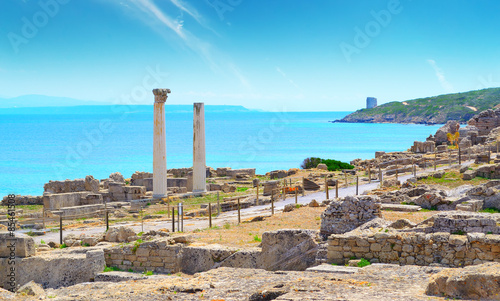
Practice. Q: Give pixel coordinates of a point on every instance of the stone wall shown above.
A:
(87, 184)
(281, 250)
(59, 200)
(486, 121)
(423, 147)
(56, 268)
(138, 178)
(25, 200)
(415, 248)
(348, 213)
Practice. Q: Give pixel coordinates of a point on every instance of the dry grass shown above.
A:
(453, 179)
(245, 234)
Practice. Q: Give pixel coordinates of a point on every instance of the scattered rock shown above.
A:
(310, 185)
(469, 175)
(119, 234)
(438, 174)
(31, 289)
(313, 203)
(322, 166)
(402, 224)
(288, 208)
(53, 245)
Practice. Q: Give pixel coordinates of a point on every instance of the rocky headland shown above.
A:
(431, 110)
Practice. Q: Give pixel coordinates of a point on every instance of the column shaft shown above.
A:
(199, 161)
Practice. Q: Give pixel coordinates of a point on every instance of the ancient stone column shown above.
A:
(159, 148)
(199, 163)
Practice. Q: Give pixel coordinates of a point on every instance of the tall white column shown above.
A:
(199, 163)
(159, 145)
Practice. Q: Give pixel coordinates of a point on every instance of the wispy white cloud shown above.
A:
(440, 76)
(152, 15)
(286, 77)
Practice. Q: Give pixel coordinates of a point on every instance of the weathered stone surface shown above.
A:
(288, 250)
(278, 174)
(322, 166)
(431, 199)
(245, 259)
(24, 200)
(469, 175)
(474, 282)
(31, 289)
(485, 121)
(349, 213)
(119, 234)
(423, 147)
(117, 177)
(310, 185)
(441, 134)
(288, 208)
(313, 203)
(24, 246)
(6, 295)
(58, 268)
(200, 259)
(270, 187)
(118, 276)
(373, 283)
(91, 184)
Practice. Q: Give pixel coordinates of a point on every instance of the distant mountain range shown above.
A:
(29, 101)
(430, 110)
(40, 104)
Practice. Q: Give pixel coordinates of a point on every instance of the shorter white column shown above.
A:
(199, 161)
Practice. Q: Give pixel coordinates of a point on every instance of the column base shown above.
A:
(159, 196)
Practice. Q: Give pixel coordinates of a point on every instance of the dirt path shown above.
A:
(231, 216)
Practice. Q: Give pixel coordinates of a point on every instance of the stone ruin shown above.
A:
(347, 214)
(453, 239)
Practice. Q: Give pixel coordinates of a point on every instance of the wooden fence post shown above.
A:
(326, 189)
(369, 175)
(272, 202)
(107, 220)
(345, 174)
(435, 160)
(337, 188)
(357, 184)
(239, 212)
(173, 219)
(397, 167)
(257, 200)
(209, 215)
(296, 193)
(61, 229)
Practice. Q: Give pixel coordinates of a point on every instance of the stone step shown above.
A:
(402, 208)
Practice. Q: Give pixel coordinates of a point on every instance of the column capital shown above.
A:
(161, 94)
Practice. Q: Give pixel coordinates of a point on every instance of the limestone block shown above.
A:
(24, 246)
(288, 250)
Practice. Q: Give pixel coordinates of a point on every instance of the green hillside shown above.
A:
(430, 110)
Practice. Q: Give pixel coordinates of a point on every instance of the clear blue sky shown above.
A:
(265, 54)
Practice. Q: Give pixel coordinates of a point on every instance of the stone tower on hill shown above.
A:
(371, 102)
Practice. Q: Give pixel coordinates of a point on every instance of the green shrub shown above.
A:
(332, 165)
(363, 263)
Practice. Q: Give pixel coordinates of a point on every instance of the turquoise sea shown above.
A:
(42, 144)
